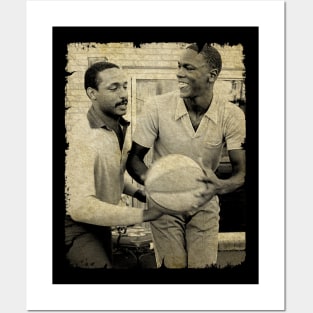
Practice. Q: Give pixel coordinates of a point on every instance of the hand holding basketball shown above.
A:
(154, 211)
(173, 182)
(211, 181)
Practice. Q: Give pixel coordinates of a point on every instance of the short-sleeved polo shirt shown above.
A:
(165, 125)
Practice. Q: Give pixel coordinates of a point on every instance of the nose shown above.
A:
(123, 93)
(180, 72)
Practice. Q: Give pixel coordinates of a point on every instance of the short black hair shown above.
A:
(91, 75)
(211, 55)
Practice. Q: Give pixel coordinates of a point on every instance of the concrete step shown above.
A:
(233, 241)
(231, 250)
(227, 241)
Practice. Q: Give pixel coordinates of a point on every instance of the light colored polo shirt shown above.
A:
(165, 125)
(95, 168)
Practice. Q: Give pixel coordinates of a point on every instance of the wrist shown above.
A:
(221, 186)
(142, 178)
(151, 214)
(140, 195)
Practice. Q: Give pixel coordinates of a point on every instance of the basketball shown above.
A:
(172, 182)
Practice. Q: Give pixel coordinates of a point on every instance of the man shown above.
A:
(95, 166)
(197, 123)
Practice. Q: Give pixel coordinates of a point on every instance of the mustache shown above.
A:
(123, 102)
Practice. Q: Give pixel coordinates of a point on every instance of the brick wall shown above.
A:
(150, 61)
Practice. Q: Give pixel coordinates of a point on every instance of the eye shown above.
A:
(113, 87)
(189, 68)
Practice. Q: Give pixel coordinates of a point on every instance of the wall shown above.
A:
(154, 60)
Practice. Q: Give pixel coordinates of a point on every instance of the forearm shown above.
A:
(228, 185)
(151, 214)
(237, 179)
(129, 189)
(136, 168)
(94, 211)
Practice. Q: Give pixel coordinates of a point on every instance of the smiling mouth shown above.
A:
(182, 85)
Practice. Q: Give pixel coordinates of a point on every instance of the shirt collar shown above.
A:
(211, 113)
(180, 108)
(98, 119)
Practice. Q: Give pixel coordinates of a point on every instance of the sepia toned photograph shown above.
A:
(155, 155)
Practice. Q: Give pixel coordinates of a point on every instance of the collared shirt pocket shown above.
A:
(212, 152)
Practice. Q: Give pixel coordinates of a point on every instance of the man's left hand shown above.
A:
(140, 195)
(211, 181)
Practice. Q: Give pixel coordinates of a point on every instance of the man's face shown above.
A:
(192, 74)
(111, 96)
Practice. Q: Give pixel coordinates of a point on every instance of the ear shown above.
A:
(212, 75)
(91, 93)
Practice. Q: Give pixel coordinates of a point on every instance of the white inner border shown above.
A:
(269, 294)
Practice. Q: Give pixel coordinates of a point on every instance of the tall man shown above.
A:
(195, 122)
(95, 166)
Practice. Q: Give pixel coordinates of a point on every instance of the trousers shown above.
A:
(87, 246)
(187, 241)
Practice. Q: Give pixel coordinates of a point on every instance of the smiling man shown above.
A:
(196, 122)
(95, 167)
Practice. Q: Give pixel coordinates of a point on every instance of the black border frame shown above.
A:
(247, 272)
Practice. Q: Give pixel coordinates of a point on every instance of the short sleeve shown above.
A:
(235, 128)
(147, 128)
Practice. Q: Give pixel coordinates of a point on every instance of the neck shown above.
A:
(198, 105)
(110, 120)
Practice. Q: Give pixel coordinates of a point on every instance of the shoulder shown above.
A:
(80, 134)
(79, 126)
(233, 110)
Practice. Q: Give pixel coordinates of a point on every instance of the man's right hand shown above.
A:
(154, 211)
